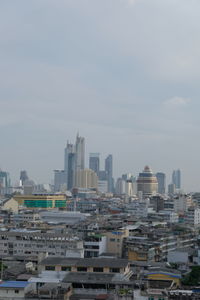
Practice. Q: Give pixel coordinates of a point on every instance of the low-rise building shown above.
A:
(115, 241)
(10, 204)
(62, 217)
(169, 216)
(140, 249)
(94, 245)
(94, 265)
(14, 289)
(34, 242)
(44, 201)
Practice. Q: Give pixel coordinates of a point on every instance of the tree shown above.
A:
(193, 278)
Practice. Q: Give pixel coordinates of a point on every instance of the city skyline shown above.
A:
(129, 83)
(71, 166)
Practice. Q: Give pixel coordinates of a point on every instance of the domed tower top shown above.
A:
(147, 169)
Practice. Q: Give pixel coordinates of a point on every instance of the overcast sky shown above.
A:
(125, 73)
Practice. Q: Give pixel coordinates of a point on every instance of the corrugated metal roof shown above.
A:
(13, 284)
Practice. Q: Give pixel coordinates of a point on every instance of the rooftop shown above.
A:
(85, 277)
(14, 284)
(86, 262)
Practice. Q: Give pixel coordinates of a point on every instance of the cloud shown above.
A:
(176, 102)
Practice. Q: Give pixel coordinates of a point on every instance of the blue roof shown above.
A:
(14, 284)
(165, 273)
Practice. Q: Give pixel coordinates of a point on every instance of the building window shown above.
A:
(98, 270)
(114, 270)
(65, 268)
(112, 240)
(81, 269)
(16, 291)
(50, 268)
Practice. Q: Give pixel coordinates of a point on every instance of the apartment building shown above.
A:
(193, 216)
(94, 265)
(33, 242)
(94, 245)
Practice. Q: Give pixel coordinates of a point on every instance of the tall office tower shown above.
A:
(59, 180)
(147, 183)
(176, 178)
(23, 177)
(94, 162)
(109, 171)
(171, 189)
(5, 185)
(80, 152)
(120, 186)
(69, 165)
(79, 156)
(74, 160)
(71, 171)
(161, 178)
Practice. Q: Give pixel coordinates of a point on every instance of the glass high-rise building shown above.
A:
(94, 162)
(69, 166)
(59, 180)
(23, 177)
(5, 185)
(176, 178)
(109, 171)
(161, 178)
(74, 160)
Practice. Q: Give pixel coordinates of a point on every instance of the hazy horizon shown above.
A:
(124, 73)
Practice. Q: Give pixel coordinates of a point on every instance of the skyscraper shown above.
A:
(94, 162)
(69, 165)
(68, 150)
(147, 183)
(71, 171)
(176, 178)
(59, 180)
(80, 152)
(23, 177)
(5, 185)
(79, 155)
(109, 171)
(161, 178)
(74, 161)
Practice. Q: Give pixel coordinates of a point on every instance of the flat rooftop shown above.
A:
(86, 262)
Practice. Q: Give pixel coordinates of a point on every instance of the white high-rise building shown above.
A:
(182, 203)
(80, 152)
(193, 216)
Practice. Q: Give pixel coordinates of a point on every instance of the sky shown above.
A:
(124, 73)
